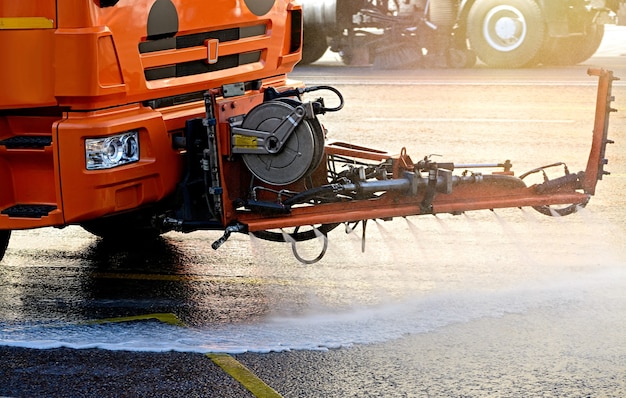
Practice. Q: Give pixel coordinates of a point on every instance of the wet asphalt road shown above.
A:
(101, 373)
(511, 304)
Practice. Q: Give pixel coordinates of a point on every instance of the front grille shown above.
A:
(199, 40)
(201, 66)
(193, 40)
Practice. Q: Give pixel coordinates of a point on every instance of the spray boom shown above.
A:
(307, 186)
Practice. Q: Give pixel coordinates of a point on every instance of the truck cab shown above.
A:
(96, 95)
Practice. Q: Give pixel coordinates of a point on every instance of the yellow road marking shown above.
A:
(26, 23)
(243, 375)
(226, 362)
(168, 318)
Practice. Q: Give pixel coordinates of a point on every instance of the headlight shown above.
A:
(112, 151)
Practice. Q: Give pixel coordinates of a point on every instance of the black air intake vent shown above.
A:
(27, 142)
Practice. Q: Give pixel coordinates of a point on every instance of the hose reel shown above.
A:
(280, 141)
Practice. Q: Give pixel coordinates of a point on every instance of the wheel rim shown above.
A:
(505, 28)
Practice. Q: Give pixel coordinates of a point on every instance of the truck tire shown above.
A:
(320, 21)
(314, 45)
(563, 51)
(506, 34)
(5, 235)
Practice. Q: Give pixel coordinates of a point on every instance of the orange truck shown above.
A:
(132, 118)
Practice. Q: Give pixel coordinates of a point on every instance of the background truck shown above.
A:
(452, 33)
(132, 118)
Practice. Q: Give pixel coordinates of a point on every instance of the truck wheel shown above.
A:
(314, 45)
(572, 50)
(5, 235)
(506, 34)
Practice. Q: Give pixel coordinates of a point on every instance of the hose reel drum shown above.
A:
(280, 141)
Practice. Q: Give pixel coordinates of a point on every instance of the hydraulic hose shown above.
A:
(271, 94)
(329, 88)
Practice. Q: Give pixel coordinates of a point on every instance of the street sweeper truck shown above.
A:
(132, 118)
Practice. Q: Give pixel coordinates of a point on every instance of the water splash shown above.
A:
(321, 330)
(434, 282)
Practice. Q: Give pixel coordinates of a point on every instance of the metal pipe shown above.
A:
(476, 165)
(401, 184)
